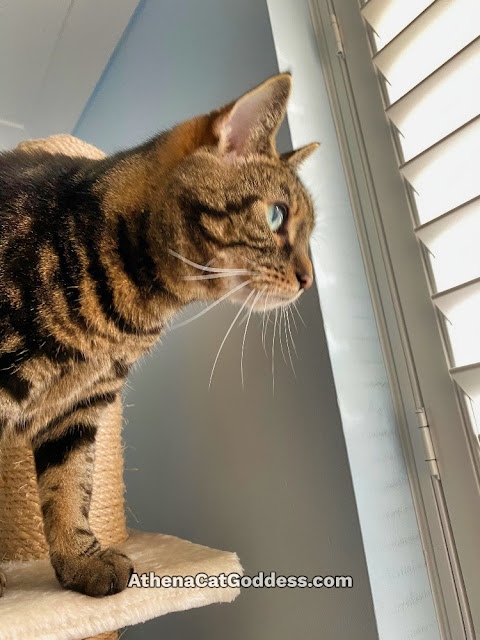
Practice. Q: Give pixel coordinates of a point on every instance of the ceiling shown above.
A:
(52, 54)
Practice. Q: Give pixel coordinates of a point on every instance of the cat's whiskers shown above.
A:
(287, 324)
(257, 298)
(228, 333)
(202, 267)
(264, 323)
(293, 318)
(299, 314)
(214, 304)
(245, 316)
(289, 314)
(283, 321)
(273, 351)
(280, 327)
(228, 274)
(247, 312)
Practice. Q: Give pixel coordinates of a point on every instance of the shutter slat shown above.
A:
(453, 88)
(468, 379)
(448, 301)
(452, 240)
(461, 307)
(388, 17)
(415, 52)
(446, 175)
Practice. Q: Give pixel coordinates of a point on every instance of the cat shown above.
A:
(96, 257)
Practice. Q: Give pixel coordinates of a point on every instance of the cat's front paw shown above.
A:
(102, 574)
(3, 583)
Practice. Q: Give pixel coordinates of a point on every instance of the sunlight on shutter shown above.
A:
(460, 306)
(428, 54)
(450, 92)
(435, 36)
(452, 242)
(447, 174)
(388, 17)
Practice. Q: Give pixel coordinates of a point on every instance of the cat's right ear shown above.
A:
(298, 157)
(250, 124)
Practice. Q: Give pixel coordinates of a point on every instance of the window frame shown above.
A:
(413, 341)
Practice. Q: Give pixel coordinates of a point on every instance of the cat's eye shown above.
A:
(276, 215)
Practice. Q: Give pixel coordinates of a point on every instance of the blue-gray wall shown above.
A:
(264, 475)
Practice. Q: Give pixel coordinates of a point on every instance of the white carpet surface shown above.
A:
(34, 606)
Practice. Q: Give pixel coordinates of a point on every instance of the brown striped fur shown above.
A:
(88, 284)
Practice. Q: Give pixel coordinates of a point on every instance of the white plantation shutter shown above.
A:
(428, 54)
(421, 192)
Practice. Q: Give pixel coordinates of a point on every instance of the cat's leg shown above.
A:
(64, 463)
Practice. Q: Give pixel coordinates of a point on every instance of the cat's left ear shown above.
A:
(251, 123)
(298, 157)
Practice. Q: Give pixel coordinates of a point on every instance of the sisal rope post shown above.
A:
(21, 525)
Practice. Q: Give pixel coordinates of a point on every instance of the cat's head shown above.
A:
(243, 205)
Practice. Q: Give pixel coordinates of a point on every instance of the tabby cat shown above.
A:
(96, 256)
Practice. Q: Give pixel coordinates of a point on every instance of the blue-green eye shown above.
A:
(276, 215)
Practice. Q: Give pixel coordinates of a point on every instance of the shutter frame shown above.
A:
(394, 265)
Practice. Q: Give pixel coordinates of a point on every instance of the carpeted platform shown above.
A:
(36, 608)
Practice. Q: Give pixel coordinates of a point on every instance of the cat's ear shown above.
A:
(298, 157)
(250, 124)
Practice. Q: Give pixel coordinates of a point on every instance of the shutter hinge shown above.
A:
(337, 35)
(430, 457)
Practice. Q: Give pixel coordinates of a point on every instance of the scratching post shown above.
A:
(34, 606)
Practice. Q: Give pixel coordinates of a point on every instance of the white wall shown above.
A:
(266, 476)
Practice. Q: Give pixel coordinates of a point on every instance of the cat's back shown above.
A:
(36, 190)
(31, 182)
(29, 188)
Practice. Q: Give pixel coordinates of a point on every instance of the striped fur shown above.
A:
(88, 284)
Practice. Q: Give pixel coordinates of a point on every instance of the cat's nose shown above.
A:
(305, 279)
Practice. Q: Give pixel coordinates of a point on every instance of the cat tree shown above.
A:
(34, 606)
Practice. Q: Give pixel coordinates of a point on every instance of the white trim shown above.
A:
(395, 559)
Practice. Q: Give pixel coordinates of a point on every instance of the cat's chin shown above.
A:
(274, 301)
(265, 302)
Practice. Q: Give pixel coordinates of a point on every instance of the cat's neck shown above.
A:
(136, 178)
(141, 226)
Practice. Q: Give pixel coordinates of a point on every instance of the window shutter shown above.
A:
(428, 54)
